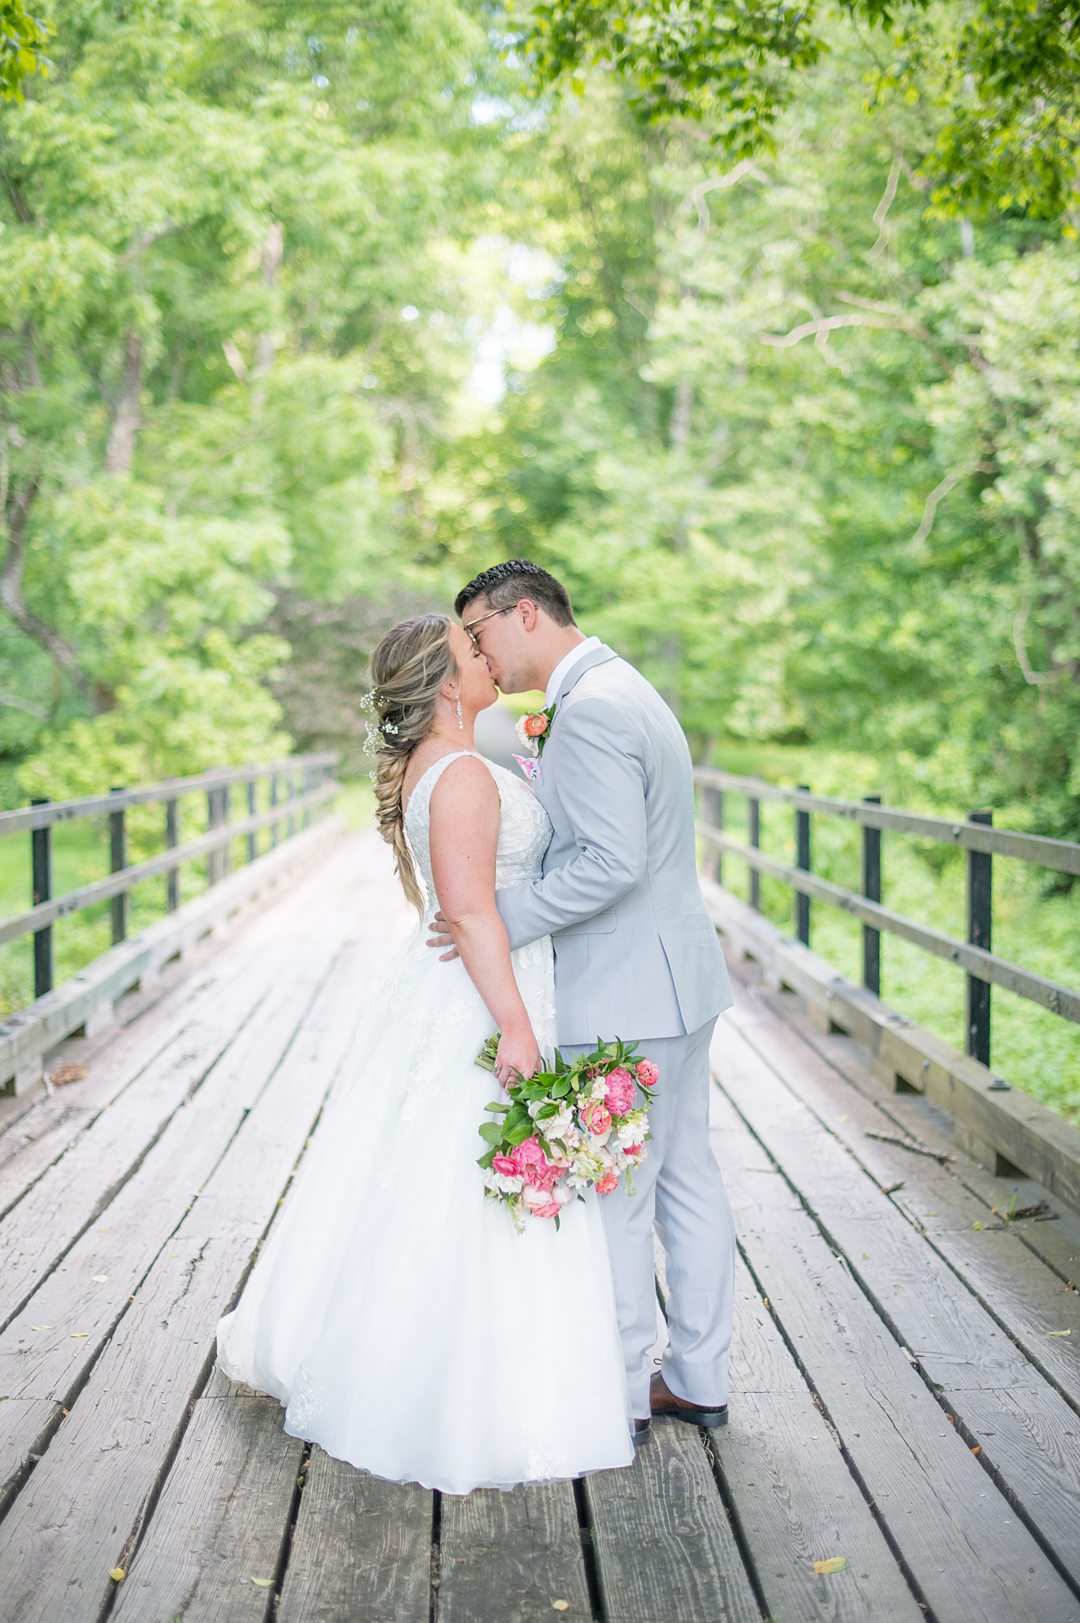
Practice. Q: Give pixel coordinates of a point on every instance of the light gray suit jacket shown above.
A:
(636, 955)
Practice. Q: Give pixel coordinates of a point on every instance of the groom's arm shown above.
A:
(602, 790)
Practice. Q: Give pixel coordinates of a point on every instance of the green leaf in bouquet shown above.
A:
(518, 1135)
(550, 1109)
(560, 1063)
(491, 1132)
(561, 1088)
(486, 1161)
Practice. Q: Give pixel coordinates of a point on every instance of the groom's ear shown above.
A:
(530, 613)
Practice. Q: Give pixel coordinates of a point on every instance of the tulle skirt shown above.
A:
(395, 1312)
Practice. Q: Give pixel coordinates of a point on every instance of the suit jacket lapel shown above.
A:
(595, 656)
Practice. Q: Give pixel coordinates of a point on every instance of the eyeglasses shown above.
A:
(470, 625)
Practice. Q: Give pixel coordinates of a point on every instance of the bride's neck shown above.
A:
(461, 738)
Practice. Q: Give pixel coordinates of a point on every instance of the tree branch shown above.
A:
(936, 496)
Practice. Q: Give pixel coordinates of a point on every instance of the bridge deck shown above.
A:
(906, 1371)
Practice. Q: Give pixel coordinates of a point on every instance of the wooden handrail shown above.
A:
(1062, 855)
(976, 836)
(59, 811)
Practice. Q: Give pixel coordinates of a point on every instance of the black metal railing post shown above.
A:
(754, 818)
(213, 858)
(41, 883)
(273, 802)
(172, 839)
(252, 847)
(980, 888)
(290, 791)
(871, 889)
(118, 860)
(225, 803)
(802, 861)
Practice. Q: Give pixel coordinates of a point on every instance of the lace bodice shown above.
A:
(524, 829)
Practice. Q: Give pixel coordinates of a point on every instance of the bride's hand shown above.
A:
(439, 938)
(518, 1055)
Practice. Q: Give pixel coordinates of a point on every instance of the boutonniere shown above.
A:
(535, 729)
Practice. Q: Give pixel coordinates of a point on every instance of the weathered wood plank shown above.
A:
(664, 1545)
(794, 1500)
(89, 1290)
(115, 1058)
(1024, 1296)
(84, 1504)
(221, 1521)
(945, 1329)
(361, 1549)
(1017, 1127)
(1057, 1243)
(38, 1231)
(508, 1557)
(970, 1557)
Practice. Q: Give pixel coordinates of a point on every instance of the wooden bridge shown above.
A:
(904, 1439)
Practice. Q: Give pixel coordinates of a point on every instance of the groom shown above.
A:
(636, 957)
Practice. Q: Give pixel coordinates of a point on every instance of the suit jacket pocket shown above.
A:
(599, 924)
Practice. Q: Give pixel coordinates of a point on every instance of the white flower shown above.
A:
(502, 1183)
(527, 742)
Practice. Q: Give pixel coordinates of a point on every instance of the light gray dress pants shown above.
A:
(681, 1189)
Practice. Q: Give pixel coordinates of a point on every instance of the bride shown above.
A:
(394, 1311)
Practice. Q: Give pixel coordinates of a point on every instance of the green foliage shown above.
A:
(23, 38)
(999, 83)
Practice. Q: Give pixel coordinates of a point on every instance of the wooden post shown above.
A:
(802, 860)
(118, 860)
(273, 802)
(41, 891)
(979, 926)
(290, 790)
(871, 889)
(252, 849)
(754, 809)
(172, 837)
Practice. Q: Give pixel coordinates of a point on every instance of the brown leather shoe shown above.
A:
(663, 1401)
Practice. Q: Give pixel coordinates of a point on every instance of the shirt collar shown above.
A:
(565, 665)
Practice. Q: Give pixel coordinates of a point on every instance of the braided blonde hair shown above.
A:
(408, 668)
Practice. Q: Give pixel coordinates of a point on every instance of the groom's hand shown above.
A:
(440, 938)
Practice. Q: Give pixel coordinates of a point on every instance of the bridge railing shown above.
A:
(913, 1059)
(296, 791)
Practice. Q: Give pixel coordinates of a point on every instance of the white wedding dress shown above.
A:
(394, 1311)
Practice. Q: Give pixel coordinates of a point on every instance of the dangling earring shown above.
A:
(457, 712)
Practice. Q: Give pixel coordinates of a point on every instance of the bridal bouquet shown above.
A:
(557, 1132)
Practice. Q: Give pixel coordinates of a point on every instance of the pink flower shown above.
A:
(648, 1074)
(633, 1149)
(621, 1093)
(507, 1166)
(606, 1184)
(529, 1153)
(597, 1118)
(538, 1202)
(536, 725)
(541, 1177)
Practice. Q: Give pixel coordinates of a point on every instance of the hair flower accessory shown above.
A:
(535, 729)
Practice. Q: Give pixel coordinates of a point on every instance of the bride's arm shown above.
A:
(464, 836)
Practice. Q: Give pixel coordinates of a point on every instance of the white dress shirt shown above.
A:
(566, 663)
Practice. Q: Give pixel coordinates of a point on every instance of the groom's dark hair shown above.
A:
(503, 584)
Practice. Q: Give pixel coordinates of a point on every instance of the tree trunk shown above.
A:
(125, 424)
